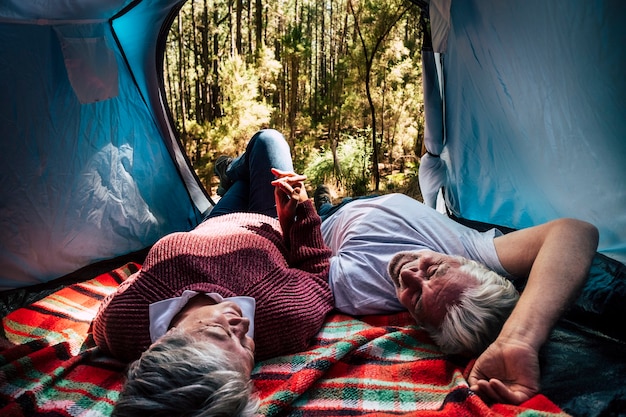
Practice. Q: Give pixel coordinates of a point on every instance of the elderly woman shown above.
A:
(206, 303)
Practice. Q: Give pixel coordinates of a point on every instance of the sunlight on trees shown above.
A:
(353, 154)
(325, 74)
(244, 110)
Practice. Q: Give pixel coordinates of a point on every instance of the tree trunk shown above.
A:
(238, 11)
(375, 147)
(258, 19)
(215, 85)
(183, 76)
(294, 74)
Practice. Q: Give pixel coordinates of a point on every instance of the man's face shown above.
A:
(429, 283)
(224, 326)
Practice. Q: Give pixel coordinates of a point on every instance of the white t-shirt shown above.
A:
(366, 233)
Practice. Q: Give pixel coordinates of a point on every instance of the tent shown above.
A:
(91, 168)
(525, 123)
(529, 113)
(525, 106)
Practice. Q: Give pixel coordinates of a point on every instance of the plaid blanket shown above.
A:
(375, 365)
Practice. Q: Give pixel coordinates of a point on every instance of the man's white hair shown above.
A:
(474, 322)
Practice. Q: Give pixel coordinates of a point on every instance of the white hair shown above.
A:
(475, 321)
(180, 376)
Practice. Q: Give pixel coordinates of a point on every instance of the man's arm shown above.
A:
(556, 258)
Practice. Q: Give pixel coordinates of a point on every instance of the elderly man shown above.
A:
(392, 252)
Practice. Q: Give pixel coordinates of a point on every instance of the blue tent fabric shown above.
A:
(534, 112)
(90, 62)
(432, 173)
(530, 104)
(90, 168)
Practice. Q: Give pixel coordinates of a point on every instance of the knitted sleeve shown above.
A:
(307, 250)
(121, 326)
(294, 301)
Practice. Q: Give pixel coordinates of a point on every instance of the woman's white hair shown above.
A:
(179, 376)
(472, 324)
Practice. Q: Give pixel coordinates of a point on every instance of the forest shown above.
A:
(341, 79)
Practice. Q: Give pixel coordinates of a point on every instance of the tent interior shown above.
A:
(525, 105)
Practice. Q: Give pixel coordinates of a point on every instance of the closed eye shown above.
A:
(214, 329)
(229, 334)
(441, 270)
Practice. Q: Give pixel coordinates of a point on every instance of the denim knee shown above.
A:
(268, 138)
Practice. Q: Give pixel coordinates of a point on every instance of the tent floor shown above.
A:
(583, 363)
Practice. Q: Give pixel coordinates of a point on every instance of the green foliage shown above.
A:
(204, 168)
(268, 70)
(294, 42)
(319, 168)
(353, 160)
(244, 111)
(301, 71)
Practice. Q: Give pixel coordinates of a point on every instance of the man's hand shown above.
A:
(289, 192)
(556, 257)
(507, 372)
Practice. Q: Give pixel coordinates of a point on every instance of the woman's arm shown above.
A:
(300, 224)
(289, 191)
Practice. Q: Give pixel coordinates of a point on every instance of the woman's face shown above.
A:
(221, 324)
(429, 284)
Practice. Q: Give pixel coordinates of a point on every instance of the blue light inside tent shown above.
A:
(146, 18)
(84, 177)
(535, 106)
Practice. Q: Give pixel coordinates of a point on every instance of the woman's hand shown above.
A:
(289, 192)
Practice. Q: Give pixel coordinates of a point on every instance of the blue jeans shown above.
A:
(250, 173)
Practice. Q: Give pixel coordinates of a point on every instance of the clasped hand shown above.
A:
(289, 191)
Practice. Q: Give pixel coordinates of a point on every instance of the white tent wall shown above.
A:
(89, 168)
(535, 112)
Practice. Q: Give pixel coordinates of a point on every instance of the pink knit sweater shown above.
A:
(234, 254)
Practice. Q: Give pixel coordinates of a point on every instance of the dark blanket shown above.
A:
(584, 362)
